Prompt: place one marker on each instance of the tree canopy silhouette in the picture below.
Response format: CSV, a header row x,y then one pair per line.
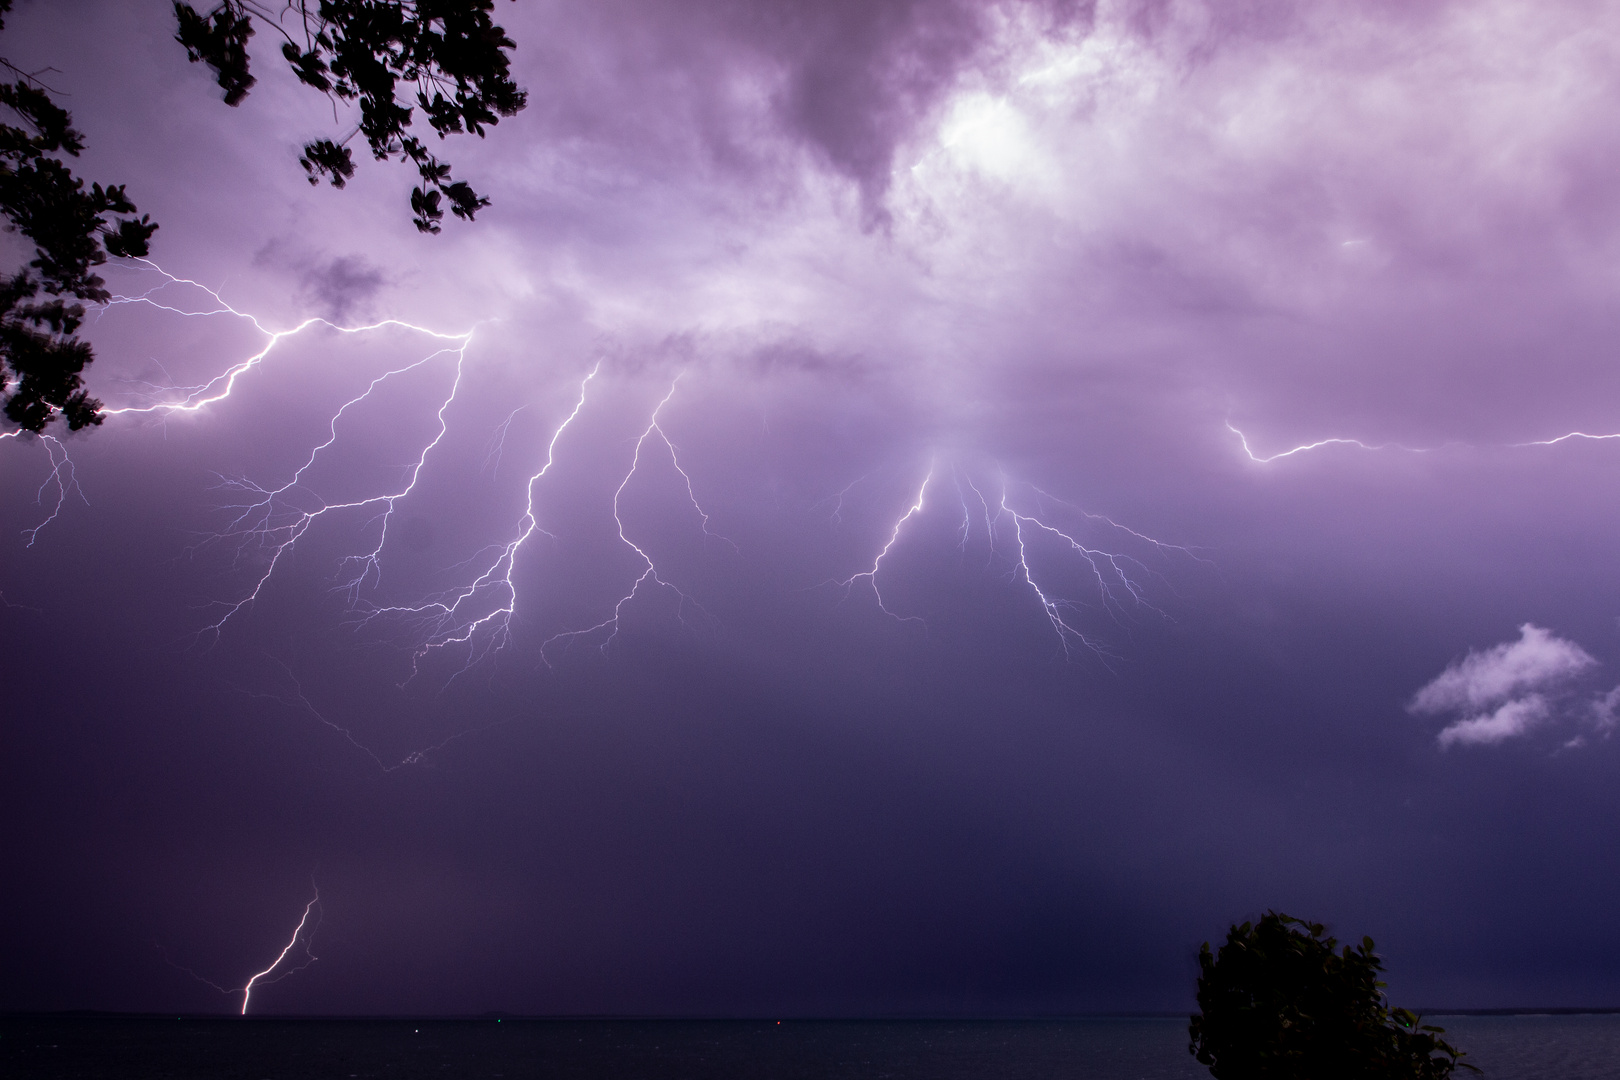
x,y
73,231
450,53
447,58
1279,1003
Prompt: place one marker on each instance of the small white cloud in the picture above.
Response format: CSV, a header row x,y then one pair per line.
x,y
1513,718
1508,689
1482,679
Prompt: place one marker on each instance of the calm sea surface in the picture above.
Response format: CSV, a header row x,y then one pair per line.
x,y
1507,1048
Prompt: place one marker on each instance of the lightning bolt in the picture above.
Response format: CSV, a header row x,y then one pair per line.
x,y
870,575
1110,572
650,571
264,521
247,991
497,443
268,523
1118,580
1317,445
217,389
1566,437
450,619
839,499
263,977
1263,460
62,481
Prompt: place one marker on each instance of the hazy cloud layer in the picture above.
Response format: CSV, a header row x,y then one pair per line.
x,y
941,301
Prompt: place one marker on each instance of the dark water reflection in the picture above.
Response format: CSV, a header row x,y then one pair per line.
x,y
90,1048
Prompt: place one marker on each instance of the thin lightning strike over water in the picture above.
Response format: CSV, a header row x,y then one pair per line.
x,y
247,991
263,977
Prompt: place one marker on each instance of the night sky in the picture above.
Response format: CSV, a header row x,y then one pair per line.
x,y
897,507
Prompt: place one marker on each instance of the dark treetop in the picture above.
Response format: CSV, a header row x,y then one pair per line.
x,y
449,53
1279,1003
73,230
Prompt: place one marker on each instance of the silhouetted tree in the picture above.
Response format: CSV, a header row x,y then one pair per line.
x,y
445,57
73,231
1279,1003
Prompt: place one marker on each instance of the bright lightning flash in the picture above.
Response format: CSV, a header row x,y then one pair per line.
x,y
298,931
60,484
650,573
270,521
870,576
1118,585
1357,443
1317,445
278,969
475,619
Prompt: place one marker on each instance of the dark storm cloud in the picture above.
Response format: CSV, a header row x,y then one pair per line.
x,y
1106,233
341,288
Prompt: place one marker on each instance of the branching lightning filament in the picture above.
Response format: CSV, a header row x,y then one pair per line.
x,y
298,933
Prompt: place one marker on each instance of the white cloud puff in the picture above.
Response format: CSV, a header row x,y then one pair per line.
x,y
1514,718
1498,692
1481,678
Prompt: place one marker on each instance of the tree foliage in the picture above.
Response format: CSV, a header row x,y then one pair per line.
x,y
1278,1002
73,230
447,58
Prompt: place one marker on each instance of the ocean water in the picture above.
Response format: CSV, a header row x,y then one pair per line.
x,y
91,1048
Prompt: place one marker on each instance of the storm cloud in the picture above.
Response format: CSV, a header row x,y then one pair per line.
x,y
894,507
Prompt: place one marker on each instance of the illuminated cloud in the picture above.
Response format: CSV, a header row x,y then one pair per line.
x,y
1500,691
1084,260
1515,717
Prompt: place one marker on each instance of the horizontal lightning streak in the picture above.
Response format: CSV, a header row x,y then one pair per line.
x,y
1554,441
1317,445
220,387
1565,438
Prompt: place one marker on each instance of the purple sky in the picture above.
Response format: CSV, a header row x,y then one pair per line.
x,y
979,294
